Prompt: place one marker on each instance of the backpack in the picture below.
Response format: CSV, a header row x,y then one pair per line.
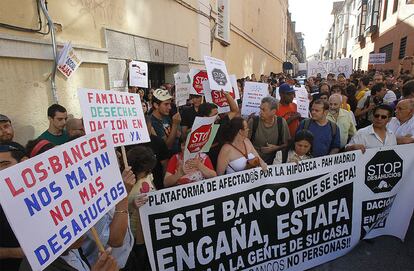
x,y
279,121
307,122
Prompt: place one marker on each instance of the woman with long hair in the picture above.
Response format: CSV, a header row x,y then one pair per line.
x,y
237,153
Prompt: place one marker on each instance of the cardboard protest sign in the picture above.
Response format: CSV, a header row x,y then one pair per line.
x,y
293,216
377,58
69,61
201,132
121,112
302,101
182,88
216,97
197,77
54,198
336,66
235,88
217,74
138,74
252,97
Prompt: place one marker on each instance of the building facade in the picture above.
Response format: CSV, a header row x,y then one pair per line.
x,y
362,27
171,35
295,47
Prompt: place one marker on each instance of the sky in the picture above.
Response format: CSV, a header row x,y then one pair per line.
x,y
313,18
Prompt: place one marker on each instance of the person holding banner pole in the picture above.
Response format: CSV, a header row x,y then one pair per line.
x,y
113,228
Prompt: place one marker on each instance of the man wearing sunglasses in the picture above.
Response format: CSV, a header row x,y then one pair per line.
x,y
376,134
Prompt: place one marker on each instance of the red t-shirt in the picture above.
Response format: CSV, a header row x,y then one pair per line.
x,y
192,176
285,111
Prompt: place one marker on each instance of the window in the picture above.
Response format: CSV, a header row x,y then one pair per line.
x,y
223,21
384,14
394,9
362,17
387,49
359,62
403,45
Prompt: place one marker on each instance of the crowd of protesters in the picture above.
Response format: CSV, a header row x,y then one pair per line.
x,y
366,110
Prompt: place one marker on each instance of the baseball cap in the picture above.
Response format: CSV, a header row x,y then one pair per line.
x,y
4,118
162,94
286,88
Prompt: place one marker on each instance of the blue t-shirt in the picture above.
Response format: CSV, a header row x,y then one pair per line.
x,y
323,140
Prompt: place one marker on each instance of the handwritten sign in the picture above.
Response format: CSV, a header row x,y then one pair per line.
x,y
182,88
252,97
302,101
377,58
121,112
54,198
69,61
336,67
235,88
138,74
217,74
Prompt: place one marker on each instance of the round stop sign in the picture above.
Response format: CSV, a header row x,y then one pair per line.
x,y
199,138
198,81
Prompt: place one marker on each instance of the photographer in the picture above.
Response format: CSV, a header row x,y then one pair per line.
x,y
365,107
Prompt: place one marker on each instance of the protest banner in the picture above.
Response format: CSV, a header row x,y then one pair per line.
x,y
138,74
201,133
377,58
121,112
302,101
197,77
51,200
182,88
252,97
290,217
69,61
336,66
235,88
216,97
218,76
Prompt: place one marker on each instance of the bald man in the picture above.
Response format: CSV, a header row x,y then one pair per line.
x,y
342,118
402,125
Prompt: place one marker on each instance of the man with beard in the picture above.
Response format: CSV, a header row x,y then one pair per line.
x,y
56,133
341,118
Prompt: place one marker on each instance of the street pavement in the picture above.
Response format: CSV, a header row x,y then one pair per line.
x,y
384,253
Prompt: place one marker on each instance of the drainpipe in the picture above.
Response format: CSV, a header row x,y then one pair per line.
x,y
52,34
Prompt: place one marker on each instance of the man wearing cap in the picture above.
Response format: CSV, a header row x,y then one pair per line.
x,y
287,109
165,127
10,252
56,133
189,113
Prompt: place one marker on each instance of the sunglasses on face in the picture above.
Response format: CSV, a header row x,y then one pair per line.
x,y
377,116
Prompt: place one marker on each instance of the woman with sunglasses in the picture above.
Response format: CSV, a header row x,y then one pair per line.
x,y
376,134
